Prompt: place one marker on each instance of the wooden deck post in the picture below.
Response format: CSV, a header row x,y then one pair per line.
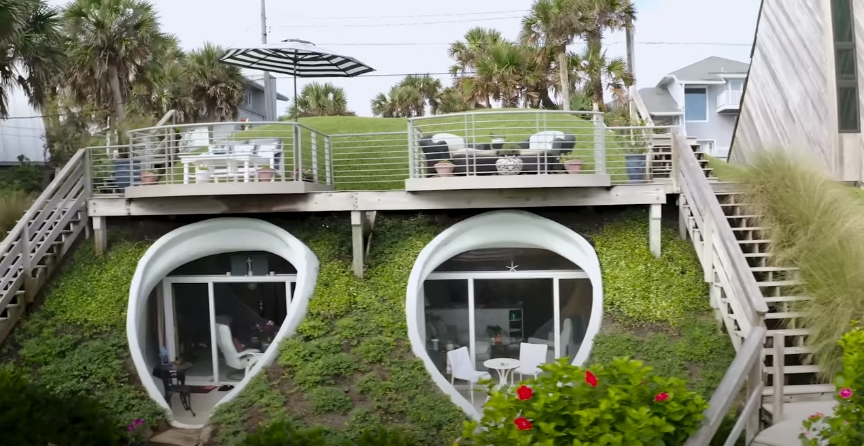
x,y
100,234
654,214
359,225
682,219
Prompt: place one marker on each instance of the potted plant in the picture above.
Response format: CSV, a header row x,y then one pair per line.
x,y
202,174
494,332
572,162
266,174
444,168
635,160
149,177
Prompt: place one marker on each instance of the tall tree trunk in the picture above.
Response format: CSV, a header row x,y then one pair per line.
x,y
116,94
595,48
565,79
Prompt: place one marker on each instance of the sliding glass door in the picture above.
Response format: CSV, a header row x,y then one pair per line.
x,y
211,322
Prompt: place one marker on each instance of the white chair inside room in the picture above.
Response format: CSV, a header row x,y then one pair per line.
x,y
530,358
236,360
460,367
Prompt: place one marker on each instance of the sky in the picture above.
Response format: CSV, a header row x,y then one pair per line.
x,y
398,37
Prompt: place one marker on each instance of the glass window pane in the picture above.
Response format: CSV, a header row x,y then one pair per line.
x,y
192,321
845,60
841,16
695,104
501,259
446,313
847,101
736,84
236,263
576,298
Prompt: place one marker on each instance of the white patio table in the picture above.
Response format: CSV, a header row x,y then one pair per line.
x,y
231,161
503,366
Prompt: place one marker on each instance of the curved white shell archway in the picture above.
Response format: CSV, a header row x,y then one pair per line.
x,y
202,239
499,229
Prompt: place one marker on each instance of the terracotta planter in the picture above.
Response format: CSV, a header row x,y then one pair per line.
x,y
573,166
498,340
149,177
445,169
266,174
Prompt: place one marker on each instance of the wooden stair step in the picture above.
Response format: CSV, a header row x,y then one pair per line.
x,y
769,269
778,283
784,315
802,350
776,299
804,389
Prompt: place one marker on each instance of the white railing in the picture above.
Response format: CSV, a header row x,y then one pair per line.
x,y
33,248
729,100
534,142
214,152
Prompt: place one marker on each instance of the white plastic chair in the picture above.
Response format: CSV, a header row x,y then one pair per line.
x,y
460,367
541,142
530,357
236,360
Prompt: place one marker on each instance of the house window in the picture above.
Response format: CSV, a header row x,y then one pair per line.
x,y
844,66
248,99
695,104
736,85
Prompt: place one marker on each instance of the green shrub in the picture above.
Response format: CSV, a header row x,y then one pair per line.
x,y
623,403
70,345
329,399
31,415
640,289
284,433
846,426
26,177
13,204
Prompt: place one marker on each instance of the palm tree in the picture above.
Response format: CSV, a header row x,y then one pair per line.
x,y
164,85
451,101
216,89
502,71
467,53
599,69
428,86
402,101
31,50
382,106
110,43
600,16
318,99
553,24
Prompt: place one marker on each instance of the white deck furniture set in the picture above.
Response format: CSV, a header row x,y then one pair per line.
x,y
234,160
460,367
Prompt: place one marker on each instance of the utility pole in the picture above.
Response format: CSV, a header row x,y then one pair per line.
x,y
631,61
268,105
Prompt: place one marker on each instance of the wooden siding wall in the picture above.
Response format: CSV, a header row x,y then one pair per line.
x,y
789,103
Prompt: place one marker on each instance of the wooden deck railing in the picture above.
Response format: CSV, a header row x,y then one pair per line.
x,y
33,248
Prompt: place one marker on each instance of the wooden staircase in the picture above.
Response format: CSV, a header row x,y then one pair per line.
x,y
32,250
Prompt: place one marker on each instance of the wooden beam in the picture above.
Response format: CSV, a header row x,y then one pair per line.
x,y
654,223
379,201
100,234
359,223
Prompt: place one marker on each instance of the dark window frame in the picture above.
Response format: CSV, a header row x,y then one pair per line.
x,y
843,83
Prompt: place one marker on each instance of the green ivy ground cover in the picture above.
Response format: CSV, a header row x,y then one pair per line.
x,y
350,366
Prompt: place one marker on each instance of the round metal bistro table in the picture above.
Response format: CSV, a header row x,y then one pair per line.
x,y
503,366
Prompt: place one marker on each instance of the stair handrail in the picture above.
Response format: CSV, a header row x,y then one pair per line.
x,y
43,198
714,222
746,368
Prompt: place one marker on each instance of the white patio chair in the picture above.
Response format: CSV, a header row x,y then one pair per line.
x,y
236,360
530,357
459,366
541,142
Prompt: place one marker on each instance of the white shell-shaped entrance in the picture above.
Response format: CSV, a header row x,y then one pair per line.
x,y
499,229
209,237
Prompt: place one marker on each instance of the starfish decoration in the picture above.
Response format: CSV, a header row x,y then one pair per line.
x,y
512,267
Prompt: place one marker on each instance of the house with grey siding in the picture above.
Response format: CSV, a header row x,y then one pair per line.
x,y
253,106
803,93
703,98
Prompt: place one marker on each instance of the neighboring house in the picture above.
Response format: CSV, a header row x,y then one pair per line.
x,y
253,106
703,98
803,92
23,133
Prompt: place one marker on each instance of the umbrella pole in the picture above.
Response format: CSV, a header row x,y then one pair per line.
x,y
295,99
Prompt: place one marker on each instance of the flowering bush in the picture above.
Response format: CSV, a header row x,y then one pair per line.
x,y
846,426
623,403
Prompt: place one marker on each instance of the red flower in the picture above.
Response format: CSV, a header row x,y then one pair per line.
x,y
524,393
662,396
590,379
522,424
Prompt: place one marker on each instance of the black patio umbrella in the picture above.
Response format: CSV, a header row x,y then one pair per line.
x,y
297,58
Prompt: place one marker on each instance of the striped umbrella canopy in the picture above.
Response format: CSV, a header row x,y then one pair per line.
x,y
298,58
